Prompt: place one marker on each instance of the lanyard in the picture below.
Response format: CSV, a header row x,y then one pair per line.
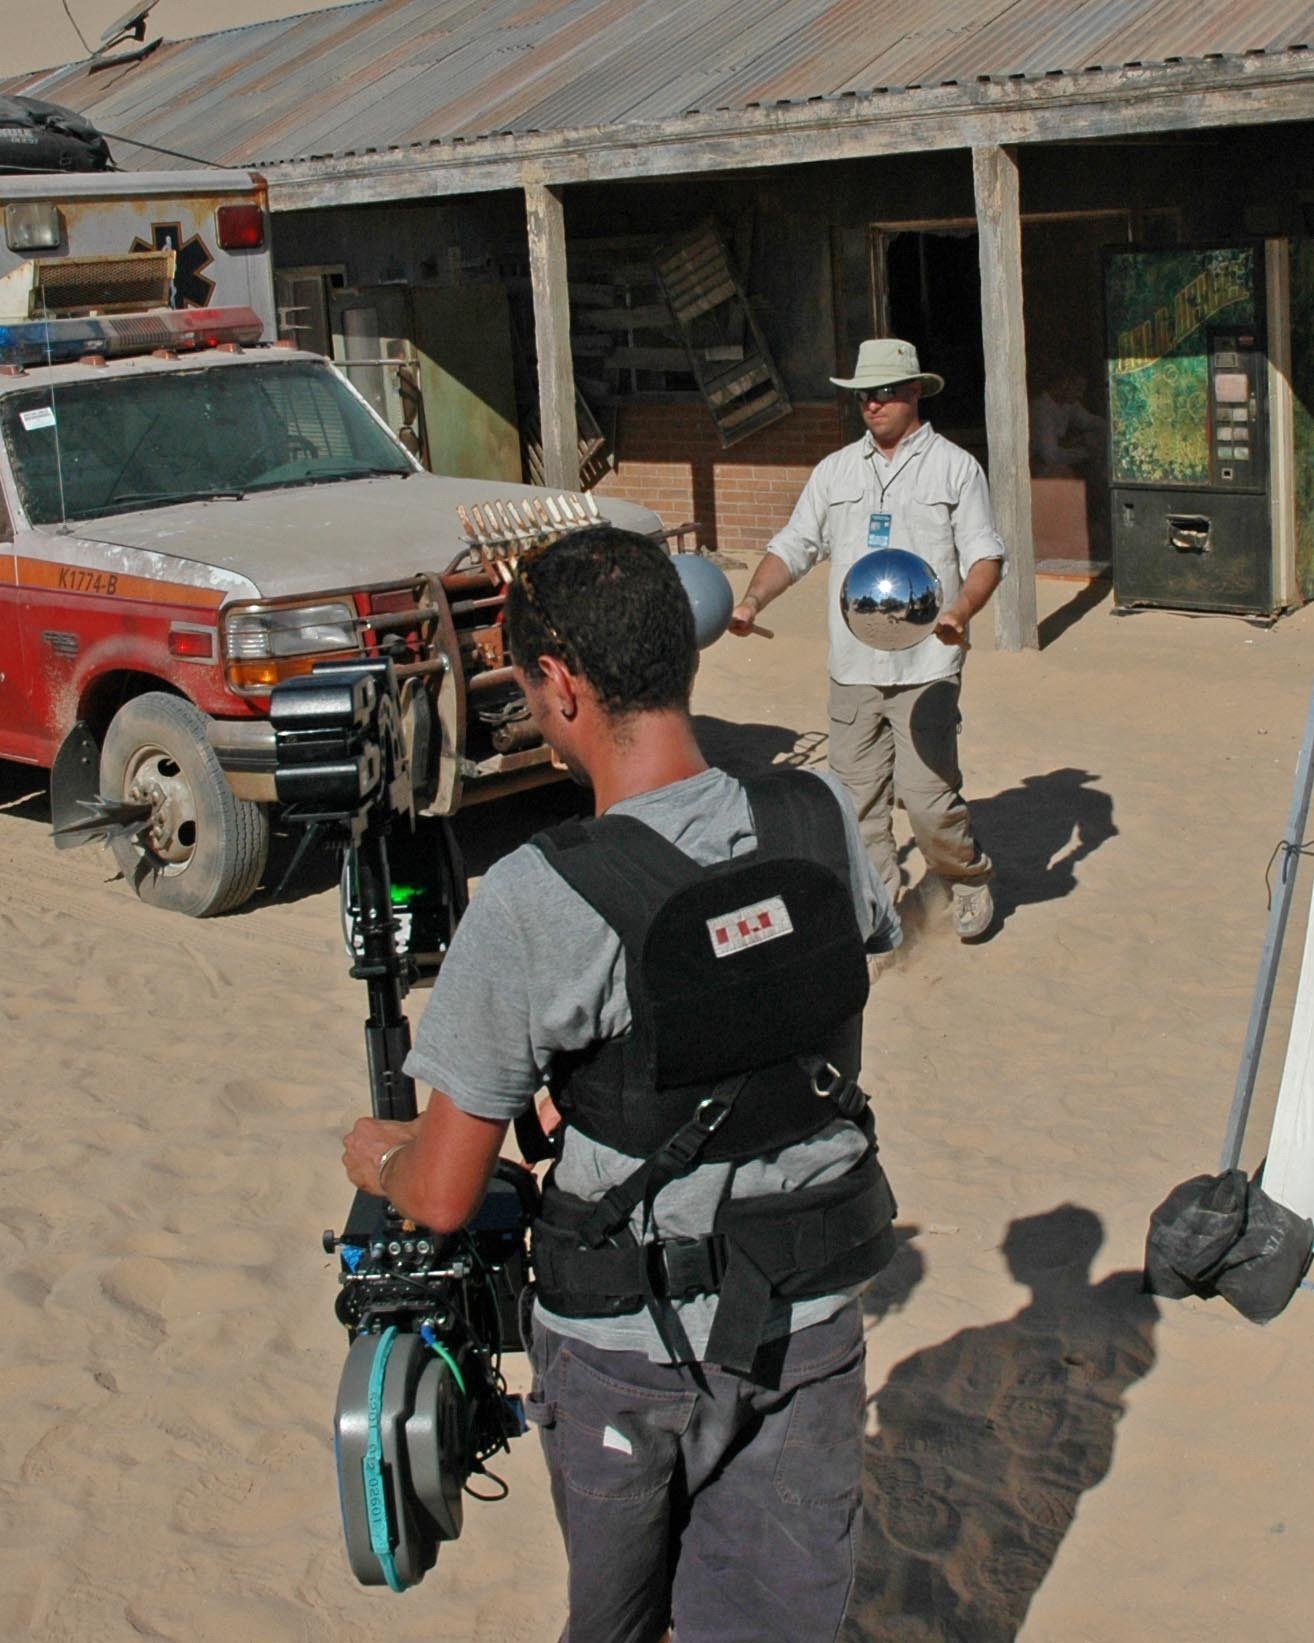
x,y
885,485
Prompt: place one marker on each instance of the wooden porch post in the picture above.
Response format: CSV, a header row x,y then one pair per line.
x,y
999,228
556,370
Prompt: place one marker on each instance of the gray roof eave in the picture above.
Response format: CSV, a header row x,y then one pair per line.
x,y
1126,101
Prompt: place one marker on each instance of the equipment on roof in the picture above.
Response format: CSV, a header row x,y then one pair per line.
x,y
36,136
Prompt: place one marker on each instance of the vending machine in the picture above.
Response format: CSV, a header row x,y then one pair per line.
x,y
1211,436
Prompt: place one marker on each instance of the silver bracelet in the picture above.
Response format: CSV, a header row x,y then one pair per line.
x,y
387,1157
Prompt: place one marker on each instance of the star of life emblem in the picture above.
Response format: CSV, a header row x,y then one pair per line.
x,y
749,927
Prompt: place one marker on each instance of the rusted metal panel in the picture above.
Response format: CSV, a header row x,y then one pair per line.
x,y
397,73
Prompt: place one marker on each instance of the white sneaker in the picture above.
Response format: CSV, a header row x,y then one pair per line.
x,y
878,964
974,909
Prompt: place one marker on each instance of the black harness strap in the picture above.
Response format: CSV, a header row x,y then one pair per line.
x,y
790,1246
678,1156
719,1009
624,862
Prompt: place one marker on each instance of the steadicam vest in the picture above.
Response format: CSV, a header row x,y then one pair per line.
x,y
746,981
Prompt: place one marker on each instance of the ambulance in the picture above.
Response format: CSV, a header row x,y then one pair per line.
x,y
192,511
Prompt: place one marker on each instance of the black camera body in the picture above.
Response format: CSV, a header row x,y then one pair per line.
x,y
421,1401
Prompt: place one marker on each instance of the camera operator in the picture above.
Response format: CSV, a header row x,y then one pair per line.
x,y
700,1397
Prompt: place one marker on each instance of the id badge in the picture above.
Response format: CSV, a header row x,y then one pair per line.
x,y
878,532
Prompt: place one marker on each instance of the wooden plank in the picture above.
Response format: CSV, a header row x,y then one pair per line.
x,y
770,408
722,390
546,223
750,408
999,230
1281,422
1217,94
649,316
649,359
591,342
703,301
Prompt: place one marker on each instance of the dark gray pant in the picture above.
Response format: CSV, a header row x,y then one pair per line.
x,y
686,1494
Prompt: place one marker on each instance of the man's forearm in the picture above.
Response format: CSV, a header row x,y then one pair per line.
x,y
435,1169
771,578
980,582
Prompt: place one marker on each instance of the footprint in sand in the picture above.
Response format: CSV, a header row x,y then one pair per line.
x,y
139,1288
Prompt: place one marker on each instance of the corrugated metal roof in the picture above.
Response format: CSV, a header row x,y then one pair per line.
x,y
392,73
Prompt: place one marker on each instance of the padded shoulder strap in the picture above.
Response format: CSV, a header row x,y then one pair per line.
x,y
620,866
796,814
625,869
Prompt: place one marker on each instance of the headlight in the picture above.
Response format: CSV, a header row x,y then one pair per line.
x,y
262,647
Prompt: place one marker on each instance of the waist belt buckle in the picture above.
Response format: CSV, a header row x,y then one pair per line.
x,y
834,1078
680,1267
830,1084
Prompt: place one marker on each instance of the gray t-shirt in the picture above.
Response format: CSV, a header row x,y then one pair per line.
x,y
533,970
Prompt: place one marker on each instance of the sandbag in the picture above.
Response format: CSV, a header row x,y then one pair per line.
x,y
1223,1235
39,137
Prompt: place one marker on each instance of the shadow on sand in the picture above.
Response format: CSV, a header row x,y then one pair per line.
x,y
985,1444
1038,831
743,748
1090,597
24,792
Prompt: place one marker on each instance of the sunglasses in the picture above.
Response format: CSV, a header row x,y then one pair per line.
x,y
882,396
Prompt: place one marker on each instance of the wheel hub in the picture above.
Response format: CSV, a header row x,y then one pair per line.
x,y
170,834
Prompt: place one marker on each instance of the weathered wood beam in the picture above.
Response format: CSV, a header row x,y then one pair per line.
x,y
556,371
999,236
1062,108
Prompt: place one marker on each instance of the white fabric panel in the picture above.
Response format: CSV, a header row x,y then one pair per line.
x,y
1289,1172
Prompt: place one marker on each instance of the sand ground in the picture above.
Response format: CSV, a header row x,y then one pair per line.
x,y
1050,1454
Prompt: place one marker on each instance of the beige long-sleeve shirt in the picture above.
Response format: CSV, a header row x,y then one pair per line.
x,y
939,507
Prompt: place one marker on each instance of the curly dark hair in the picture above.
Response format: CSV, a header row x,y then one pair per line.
x,y
609,605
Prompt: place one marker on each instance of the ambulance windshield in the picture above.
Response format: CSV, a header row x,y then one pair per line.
x,y
118,442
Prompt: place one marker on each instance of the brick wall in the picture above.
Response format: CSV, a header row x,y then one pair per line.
x,y
670,459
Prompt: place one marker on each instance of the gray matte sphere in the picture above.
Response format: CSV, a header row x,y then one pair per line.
x,y
890,599
710,595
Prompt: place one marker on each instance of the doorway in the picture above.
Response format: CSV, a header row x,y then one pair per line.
x,y
926,287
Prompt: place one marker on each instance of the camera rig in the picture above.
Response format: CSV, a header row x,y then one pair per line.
x,y
422,1405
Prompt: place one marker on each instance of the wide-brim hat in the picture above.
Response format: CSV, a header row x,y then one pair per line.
x,y
883,361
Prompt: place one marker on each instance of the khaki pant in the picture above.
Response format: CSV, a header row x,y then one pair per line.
x,y
901,741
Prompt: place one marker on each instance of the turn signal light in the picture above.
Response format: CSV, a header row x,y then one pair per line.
x,y
264,675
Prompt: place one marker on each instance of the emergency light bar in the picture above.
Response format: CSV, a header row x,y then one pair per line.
x,y
59,341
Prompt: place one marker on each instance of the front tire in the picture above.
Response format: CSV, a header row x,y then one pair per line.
x,y
203,850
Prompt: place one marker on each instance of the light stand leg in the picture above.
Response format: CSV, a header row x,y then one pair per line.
x,y
1288,854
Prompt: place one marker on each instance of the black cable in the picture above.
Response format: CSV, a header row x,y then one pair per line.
x,y
1286,850
156,149
76,29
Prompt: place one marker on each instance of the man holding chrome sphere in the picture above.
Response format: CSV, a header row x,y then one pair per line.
x,y
894,712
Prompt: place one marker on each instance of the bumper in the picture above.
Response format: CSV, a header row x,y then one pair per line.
x,y
245,750
247,756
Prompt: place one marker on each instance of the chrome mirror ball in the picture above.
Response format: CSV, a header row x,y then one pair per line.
x,y
890,599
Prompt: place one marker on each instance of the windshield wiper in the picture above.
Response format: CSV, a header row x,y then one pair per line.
x,y
334,477
367,473
165,499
